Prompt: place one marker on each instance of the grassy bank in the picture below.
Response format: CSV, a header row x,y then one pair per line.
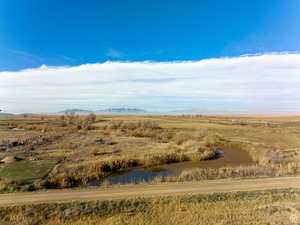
x,y
20,176
259,207
255,171
63,176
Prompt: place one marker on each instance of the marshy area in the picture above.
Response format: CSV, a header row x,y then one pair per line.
x,y
42,152
223,158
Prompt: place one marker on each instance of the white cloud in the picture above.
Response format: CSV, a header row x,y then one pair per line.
x,y
254,83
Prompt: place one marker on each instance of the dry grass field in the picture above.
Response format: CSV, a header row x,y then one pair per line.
x,y
49,152
256,208
70,151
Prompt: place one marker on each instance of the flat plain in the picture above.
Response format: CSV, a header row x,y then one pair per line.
x,y
42,153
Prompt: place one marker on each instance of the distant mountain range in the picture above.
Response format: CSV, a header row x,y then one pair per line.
x,y
134,111
77,111
120,111
110,111
21,114
6,114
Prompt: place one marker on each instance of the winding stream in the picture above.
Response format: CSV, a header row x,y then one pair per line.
x,y
231,157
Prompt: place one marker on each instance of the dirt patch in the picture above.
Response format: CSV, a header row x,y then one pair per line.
x,y
10,159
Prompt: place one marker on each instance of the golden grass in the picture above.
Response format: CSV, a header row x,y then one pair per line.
x,y
255,208
272,142
68,175
7,184
198,174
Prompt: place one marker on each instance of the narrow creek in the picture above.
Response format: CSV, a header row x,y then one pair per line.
x,y
231,157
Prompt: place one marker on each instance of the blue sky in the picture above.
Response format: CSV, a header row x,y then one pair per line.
x,y
84,35
65,32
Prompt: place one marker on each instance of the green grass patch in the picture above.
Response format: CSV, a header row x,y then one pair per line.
x,y
25,171
8,191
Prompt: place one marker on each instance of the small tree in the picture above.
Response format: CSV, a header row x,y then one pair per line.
x,y
71,118
88,121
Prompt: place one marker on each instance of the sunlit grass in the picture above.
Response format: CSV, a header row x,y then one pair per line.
x,y
26,171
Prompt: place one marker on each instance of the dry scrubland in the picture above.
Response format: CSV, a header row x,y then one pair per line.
x,y
70,151
277,207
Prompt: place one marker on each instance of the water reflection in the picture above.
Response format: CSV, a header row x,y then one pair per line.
x,y
224,158
134,176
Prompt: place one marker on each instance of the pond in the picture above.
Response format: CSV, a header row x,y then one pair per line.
x,y
134,176
230,157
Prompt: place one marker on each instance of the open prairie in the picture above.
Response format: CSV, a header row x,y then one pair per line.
x,y
169,155
68,151
110,158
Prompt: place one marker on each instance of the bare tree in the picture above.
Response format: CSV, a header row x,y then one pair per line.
x,y
88,121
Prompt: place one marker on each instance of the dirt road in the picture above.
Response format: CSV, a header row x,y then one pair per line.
x,y
143,190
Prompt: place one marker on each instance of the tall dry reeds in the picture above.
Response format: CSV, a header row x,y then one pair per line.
x,y
68,175
65,175
198,174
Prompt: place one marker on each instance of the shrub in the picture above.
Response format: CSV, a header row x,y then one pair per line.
x,y
9,184
165,158
181,137
133,125
87,121
213,140
71,119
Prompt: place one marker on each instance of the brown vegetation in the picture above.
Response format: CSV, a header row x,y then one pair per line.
x,y
132,125
80,122
72,142
256,208
7,185
66,175
198,174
